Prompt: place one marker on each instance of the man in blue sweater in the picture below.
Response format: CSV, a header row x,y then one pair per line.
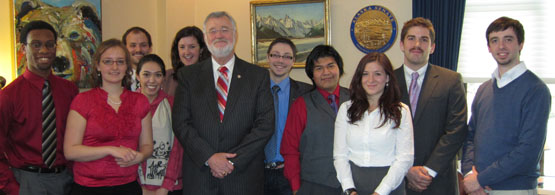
x,y
508,125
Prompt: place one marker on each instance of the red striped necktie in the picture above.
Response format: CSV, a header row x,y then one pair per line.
x,y
222,89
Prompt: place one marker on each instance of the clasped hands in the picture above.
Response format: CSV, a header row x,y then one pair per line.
x,y
471,184
220,165
418,178
125,156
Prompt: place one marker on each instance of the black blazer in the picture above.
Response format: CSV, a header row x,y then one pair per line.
x,y
439,125
247,125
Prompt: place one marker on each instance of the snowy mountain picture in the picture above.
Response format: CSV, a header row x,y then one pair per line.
x,y
305,23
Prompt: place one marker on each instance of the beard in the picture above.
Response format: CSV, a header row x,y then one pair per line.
x,y
221,52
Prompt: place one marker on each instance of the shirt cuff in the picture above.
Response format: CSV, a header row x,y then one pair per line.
x,y
470,172
347,183
431,172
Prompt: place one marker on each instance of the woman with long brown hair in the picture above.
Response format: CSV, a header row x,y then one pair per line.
x,y
373,144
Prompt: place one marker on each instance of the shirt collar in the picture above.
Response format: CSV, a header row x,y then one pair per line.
x,y
326,93
282,85
510,75
421,71
35,79
229,64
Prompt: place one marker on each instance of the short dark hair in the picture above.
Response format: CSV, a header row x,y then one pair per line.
x,y
151,58
422,22
136,29
189,31
35,25
2,82
504,23
318,52
103,47
390,101
284,41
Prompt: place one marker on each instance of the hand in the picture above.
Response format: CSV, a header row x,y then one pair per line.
x,y
479,192
418,178
138,158
471,183
161,191
219,164
124,154
295,192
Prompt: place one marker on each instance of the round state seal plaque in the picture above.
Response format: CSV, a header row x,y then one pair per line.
x,y
373,29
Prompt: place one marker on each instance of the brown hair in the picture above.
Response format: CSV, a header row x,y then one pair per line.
x,y
105,45
390,101
422,22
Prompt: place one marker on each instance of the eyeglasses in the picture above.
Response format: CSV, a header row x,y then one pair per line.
x,y
38,45
285,57
110,62
223,30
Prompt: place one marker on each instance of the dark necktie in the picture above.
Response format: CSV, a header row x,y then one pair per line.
x,y
48,126
333,104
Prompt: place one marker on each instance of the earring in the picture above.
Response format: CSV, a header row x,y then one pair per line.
x,y
387,84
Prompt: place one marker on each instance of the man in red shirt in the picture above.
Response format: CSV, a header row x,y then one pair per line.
x,y
33,114
307,143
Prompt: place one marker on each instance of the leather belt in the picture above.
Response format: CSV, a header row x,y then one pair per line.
x,y
274,165
36,169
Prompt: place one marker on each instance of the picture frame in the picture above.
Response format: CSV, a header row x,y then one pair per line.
x,y
305,22
78,24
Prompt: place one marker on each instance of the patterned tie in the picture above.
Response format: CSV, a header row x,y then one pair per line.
x,y
48,126
414,92
333,104
221,88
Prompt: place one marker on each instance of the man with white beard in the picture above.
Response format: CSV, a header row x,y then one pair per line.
x,y
223,115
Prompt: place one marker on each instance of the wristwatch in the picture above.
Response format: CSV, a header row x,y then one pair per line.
x,y
349,191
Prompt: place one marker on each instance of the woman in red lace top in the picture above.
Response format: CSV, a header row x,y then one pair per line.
x,y
109,130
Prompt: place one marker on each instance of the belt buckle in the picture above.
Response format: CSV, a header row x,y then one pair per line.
x,y
273,165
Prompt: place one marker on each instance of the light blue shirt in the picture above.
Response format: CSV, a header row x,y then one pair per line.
x,y
272,148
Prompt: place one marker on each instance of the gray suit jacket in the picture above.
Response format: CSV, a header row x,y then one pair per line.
x,y
247,125
439,125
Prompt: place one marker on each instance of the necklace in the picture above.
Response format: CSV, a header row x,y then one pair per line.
x,y
112,102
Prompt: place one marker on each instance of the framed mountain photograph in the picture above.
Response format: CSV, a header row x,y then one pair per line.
x,y
305,22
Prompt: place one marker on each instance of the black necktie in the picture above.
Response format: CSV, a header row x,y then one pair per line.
x,y
48,126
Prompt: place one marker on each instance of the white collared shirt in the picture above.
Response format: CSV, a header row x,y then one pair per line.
x,y
421,75
229,64
368,145
510,75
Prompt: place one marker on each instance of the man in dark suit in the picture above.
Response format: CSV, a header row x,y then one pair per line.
x,y
223,116
281,56
437,100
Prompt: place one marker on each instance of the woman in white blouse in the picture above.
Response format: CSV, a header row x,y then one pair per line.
x,y
373,144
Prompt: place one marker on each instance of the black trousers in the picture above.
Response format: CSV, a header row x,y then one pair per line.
x,y
132,188
275,183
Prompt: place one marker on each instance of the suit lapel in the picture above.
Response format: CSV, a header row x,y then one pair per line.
x,y
237,85
293,91
209,88
428,85
400,74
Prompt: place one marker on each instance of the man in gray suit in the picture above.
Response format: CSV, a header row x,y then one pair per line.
x,y
223,116
437,100
281,57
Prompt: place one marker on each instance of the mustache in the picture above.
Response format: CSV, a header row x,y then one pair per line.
x,y
417,48
220,39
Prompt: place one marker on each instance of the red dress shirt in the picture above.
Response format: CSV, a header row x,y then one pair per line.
x,y
21,123
106,127
294,127
173,170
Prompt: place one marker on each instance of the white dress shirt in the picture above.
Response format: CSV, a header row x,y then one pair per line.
x,y
229,64
510,75
366,145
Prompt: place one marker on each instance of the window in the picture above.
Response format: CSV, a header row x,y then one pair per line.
x,y
476,64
